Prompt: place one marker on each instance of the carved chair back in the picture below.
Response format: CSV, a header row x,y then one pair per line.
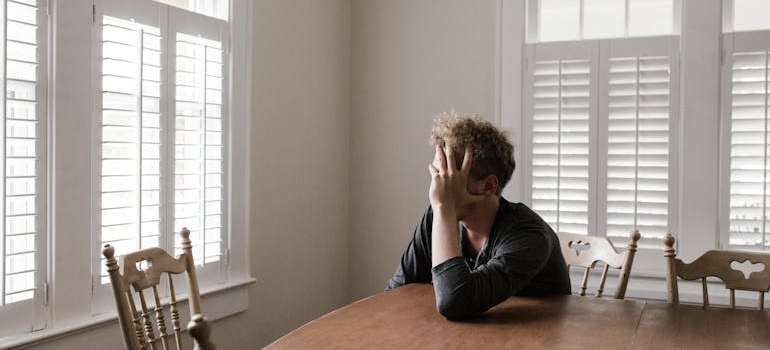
x,y
589,252
144,320
726,265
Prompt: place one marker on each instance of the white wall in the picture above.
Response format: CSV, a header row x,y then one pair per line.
x,y
412,59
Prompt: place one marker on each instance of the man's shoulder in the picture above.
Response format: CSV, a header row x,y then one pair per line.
x,y
517,220
516,212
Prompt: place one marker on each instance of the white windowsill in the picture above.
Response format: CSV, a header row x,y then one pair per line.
x,y
219,301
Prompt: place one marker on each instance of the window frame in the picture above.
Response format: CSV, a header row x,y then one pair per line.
x,y
70,237
169,20
700,155
511,111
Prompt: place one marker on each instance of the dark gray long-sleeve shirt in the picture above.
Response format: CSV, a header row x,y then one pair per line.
x,y
521,257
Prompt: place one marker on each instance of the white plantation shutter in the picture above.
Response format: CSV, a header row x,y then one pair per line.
x,y
23,135
199,144
747,68
162,131
600,115
560,143
130,136
638,117
561,105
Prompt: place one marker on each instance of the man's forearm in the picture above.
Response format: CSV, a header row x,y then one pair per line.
x,y
444,236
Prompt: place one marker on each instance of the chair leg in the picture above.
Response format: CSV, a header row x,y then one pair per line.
x,y
732,298
585,282
600,290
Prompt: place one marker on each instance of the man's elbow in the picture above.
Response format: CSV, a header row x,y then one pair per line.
x,y
453,307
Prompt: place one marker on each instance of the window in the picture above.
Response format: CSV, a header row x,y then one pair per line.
x,y
713,194
24,163
161,118
600,115
568,20
214,8
745,15
601,119
745,103
135,143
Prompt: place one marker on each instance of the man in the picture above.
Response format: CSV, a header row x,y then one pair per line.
x,y
477,248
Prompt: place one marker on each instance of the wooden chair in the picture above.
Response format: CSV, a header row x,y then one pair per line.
x,y
586,251
137,322
718,263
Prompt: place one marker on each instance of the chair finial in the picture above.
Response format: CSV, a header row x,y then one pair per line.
x,y
108,251
635,235
669,240
185,233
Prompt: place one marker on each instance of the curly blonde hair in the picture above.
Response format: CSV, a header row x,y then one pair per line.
x,y
492,152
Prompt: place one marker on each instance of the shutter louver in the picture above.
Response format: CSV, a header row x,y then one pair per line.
x,y
22,116
130,136
749,150
637,146
560,143
199,144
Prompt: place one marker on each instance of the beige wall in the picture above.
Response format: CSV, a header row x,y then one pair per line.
x,y
300,160
344,92
411,60
340,142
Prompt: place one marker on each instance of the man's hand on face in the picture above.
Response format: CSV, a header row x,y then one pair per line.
x,y
449,183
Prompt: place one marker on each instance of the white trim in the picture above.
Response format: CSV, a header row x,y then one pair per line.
x,y
724,138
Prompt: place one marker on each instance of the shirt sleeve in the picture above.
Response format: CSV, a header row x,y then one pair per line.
x,y
415,264
461,293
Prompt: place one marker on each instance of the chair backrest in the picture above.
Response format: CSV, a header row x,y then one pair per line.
x,y
719,264
586,251
142,273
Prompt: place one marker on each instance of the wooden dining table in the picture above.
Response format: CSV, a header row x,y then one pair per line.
x,y
406,318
